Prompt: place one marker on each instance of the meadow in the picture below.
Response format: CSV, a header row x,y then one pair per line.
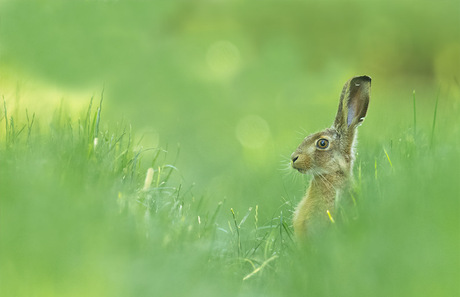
x,y
145,152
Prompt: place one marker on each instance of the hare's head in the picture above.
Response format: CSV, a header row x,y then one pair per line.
x,y
331,150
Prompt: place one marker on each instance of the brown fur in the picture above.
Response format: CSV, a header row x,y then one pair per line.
x,y
331,167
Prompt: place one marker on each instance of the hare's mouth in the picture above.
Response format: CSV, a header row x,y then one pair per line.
x,y
303,171
299,169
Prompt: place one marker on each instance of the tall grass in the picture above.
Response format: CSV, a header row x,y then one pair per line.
x,y
84,210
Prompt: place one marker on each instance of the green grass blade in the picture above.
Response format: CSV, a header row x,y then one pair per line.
x,y
98,117
434,118
239,248
415,116
245,217
88,116
388,157
5,111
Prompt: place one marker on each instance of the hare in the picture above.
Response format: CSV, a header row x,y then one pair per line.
x,y
328,155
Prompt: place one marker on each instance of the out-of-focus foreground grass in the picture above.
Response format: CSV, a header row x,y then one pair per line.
x,y
236,85
79,215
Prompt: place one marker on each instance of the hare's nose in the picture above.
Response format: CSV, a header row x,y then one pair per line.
x,y
294,157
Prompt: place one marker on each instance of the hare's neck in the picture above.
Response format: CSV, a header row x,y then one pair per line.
x,y
320,198
324,188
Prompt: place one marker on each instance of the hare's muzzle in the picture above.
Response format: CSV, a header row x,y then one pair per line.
x,y
298,161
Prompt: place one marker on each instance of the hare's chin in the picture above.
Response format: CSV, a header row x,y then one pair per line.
x,y
303,171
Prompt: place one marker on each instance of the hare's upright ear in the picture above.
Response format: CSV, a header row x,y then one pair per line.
x,y
353,105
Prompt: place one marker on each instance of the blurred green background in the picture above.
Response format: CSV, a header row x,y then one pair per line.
x,y
237,84
234,86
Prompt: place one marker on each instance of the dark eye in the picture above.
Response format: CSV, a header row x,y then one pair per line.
x,y
322,143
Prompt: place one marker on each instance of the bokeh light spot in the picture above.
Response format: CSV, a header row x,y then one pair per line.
x,y
252,131
223,58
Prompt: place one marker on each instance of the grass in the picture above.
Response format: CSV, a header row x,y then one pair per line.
x,y
434,119
85,210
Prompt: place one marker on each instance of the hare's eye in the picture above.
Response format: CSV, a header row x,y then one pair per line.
x,y
322,143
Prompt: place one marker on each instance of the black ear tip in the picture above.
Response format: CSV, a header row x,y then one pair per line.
x,y
364,78
358,80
